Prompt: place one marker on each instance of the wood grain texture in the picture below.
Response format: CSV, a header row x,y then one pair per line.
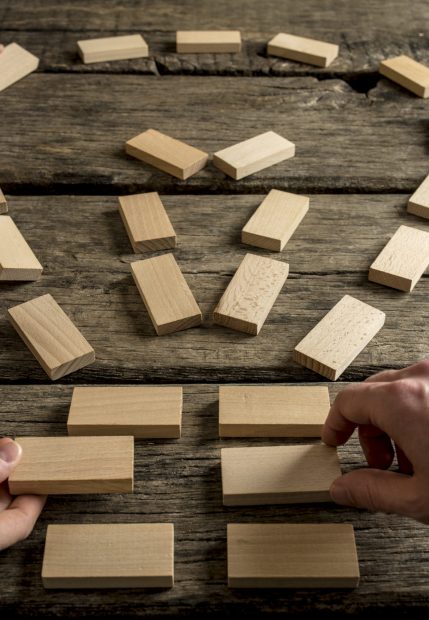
x,y
15,64
146,222
208,41
3,203
408,73
17,260
113,48
302,49
418,204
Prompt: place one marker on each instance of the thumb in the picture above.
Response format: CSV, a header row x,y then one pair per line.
x,y
10,454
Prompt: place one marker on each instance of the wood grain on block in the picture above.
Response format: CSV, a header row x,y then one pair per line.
x,y
208,41
3,203
331,346
15,64
292,555
166,294
275,220
113,48
244,158
17,260
403,260
141,411
407,73
68,465
167,154
146,222
311,51
418,204
250,295
109,555
278,474
53,339
272,410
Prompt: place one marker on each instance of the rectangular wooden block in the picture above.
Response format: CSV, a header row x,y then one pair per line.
x,y
17,261
167,154
292,555
418,204
113,48
311,51
272,410
141,411
15,64
146,222
208,41
166,294
109,555
403,260
244,158
339,337
251,294
68,465
407,73
278,474
275,220
53,339
3,203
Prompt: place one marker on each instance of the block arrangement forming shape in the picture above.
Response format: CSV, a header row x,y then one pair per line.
x,y
272,411
53,339
169,155
208,41
289,555
113,48
244,158
278,474
311,51
109,555
403,260
166,294
15,64
17,261
67,465
339,337
407,73
275,220
146,222
418,204
250,295
3,203
141,411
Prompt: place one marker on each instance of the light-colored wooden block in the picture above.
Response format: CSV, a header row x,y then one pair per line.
x,y
311,51
166,294
292,555
3,203
15,64
17,261
208,41
339,337
68,465
250,295
275,220
272,410
53,339
146,222
244,158
113,48
278,474
109,555
167,154
408,73
141,411
418,204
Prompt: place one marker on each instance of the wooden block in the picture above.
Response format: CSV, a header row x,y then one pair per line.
x,y
311,51
278,474
109,555
166,294
272,410
407,73
250,295
292,555
141,411
275,220
169,155
339,337
3,203
403,260
17,261
113,48
67,465
208,41
53,339
147,223
418,204
15,64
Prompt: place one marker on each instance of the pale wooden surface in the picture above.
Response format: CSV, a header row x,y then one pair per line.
x,y
113,48
208,41
146,222
302,49
418,204
15,64
408,73
17,260
3,203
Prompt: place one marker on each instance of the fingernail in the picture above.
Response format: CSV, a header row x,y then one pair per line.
x,y
9,452
339,493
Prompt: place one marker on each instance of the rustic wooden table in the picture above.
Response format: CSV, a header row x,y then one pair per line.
x,y
362,148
